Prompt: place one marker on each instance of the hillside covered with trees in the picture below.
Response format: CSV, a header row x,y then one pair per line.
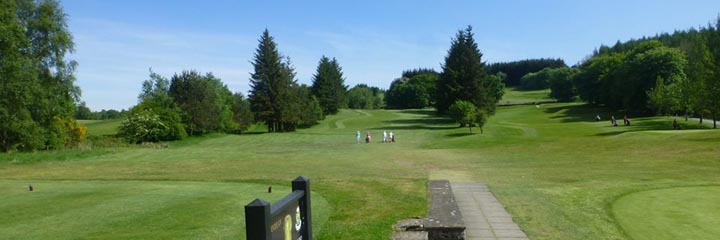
x,y
676,73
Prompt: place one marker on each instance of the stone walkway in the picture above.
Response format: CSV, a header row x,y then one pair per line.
x,y
484,217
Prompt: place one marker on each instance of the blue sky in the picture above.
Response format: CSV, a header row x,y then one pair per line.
x,y
117,42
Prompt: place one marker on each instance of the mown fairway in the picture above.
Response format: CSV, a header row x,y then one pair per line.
x,y
558,172
101,127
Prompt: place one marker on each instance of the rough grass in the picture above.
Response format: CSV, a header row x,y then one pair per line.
x,y
555,169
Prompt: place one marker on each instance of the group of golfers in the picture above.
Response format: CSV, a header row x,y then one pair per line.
x,y
368,137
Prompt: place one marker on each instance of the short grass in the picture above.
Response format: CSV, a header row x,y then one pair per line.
x,y
131,209
670,213
553,167
101,127
517,96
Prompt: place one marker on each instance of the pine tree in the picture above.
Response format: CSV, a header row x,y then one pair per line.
x,y
270,85
463,76
329,86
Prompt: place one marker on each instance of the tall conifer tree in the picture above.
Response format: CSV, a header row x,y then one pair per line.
x,y
270,85
463,76
329,86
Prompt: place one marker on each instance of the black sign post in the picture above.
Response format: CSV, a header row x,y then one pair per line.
x,y
287,219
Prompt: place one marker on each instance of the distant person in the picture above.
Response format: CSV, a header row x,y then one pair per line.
x,y
368,137
626,121
392,137
597,118
613,121
385,136
357,136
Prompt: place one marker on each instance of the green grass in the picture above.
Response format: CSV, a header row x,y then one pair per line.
x,y
131,209
554,168
670,213
101,127
516,96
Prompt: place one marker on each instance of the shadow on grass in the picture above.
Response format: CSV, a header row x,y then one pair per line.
x,y
427,112
708,139
639,121
428,120
414,127
650,123
587,113
460,134
252,133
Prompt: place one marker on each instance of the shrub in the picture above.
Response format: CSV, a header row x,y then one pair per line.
x,y
147,126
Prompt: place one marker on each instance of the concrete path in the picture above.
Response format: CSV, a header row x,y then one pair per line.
x,y
705,120
485,218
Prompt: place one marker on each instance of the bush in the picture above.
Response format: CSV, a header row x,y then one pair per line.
x,y
147,126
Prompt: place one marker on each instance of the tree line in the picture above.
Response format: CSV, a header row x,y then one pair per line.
x,y
515,70
191,103
82,112
676,73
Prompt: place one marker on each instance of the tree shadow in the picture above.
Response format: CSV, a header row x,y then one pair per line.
x,y
460,134
428,120
414,127
587,113
648,124
577,113
251,133
427,112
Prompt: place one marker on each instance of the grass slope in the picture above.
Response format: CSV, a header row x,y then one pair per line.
x,y
555,169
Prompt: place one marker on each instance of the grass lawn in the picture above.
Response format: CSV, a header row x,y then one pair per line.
x,y
671,213
555,169
130,209
515,96
101,127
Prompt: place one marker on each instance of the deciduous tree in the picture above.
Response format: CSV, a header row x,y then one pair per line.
x,y
38,94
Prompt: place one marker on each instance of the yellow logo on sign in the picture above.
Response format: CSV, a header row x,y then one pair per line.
x,y
288,227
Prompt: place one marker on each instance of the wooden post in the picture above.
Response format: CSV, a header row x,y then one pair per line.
x,y
303,184
257,220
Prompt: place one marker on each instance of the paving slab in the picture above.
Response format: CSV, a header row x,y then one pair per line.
x,y
484,216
